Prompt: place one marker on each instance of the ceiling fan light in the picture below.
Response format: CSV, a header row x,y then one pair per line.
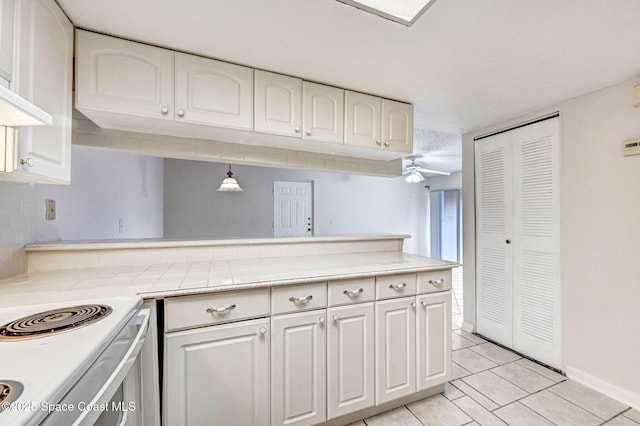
x,y
414,177
229,184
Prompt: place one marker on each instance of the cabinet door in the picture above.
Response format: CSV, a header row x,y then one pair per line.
x,y
6,39
213,92
218,375
362,120
123,77
397,126
433,339
350,363
44,77
395,349
323,112
298,368
277,104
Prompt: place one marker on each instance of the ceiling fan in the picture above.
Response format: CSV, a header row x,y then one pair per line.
x,y
414,171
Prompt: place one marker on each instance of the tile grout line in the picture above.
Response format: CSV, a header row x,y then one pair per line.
x,y
413,414
584,409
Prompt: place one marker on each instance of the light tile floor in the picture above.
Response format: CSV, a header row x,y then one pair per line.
x,y
494,386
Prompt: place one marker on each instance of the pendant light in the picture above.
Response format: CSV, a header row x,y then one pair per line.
x,y
229,184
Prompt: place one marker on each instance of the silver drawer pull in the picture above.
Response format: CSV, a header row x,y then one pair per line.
x,y
262,330
413,305
221,309
335,317
353,292
437,282
302,299
424,303
397,287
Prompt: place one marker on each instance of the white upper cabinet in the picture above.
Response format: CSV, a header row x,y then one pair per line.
x,y
362,119
397,126
277,104
323,112
213,92
374,122
43,76
123,77
6,39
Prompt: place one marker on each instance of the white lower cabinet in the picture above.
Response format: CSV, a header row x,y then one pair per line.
x,y
218,375
433,339
298,368
395,348
350,362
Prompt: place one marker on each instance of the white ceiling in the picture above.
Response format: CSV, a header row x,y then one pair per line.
x,y
464,64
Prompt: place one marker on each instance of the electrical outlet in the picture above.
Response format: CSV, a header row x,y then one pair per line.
x,y
121,226
50,209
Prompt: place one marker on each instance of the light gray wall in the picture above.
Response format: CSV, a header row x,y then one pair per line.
x,y
600,199
105,186
343,204
453,181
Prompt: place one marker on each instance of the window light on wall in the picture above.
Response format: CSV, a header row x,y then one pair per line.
x,y
405,12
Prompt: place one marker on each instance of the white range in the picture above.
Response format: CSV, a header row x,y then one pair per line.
x,y
78,375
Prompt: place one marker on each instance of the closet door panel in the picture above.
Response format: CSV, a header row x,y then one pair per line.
x,y
536,242
493,228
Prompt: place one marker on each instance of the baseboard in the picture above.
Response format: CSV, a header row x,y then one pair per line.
x,y
468,327
612,391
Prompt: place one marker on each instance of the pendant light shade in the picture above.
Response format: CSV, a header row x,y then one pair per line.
x,y
229,184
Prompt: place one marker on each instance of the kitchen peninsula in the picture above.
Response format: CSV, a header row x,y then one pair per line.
x,y
268,331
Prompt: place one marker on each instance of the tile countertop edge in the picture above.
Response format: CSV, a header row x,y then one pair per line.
x,y
148,295
141,244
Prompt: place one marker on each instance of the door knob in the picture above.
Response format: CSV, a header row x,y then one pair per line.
x,y
508,241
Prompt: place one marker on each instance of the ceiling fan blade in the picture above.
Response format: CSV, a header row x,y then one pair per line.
x,y
435,172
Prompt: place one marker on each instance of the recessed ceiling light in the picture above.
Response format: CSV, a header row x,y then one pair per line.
x,y
405,12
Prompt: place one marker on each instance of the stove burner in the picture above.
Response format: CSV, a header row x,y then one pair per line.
x,y
53,321
10,390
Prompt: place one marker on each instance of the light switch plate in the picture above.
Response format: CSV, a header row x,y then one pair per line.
x,y
50,209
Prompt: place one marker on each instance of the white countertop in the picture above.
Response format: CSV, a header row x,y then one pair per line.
x,y
175,279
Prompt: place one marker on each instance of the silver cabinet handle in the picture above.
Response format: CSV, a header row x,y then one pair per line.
x,y
386,143
262,330
378,142
424,303
164,110
397,287
413,305
301,299
297,129
335,318
180,113
221,309
27,162
439,281
308,132
353,292
321,320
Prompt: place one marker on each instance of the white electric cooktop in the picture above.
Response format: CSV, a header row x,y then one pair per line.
x,y
48,366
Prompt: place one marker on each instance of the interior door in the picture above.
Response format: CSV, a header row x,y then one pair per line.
x,y
536,242
292,209
494,253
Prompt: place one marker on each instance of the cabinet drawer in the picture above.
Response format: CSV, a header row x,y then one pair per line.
x,y
432,281
351,291
301,297
207,309
395,286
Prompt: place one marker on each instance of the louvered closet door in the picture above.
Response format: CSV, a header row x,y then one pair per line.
x,y
494,256
536,242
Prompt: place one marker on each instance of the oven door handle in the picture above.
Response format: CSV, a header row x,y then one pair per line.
x,y
104,395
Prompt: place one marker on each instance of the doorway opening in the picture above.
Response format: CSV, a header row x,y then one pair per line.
x,y
446,225
292,208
